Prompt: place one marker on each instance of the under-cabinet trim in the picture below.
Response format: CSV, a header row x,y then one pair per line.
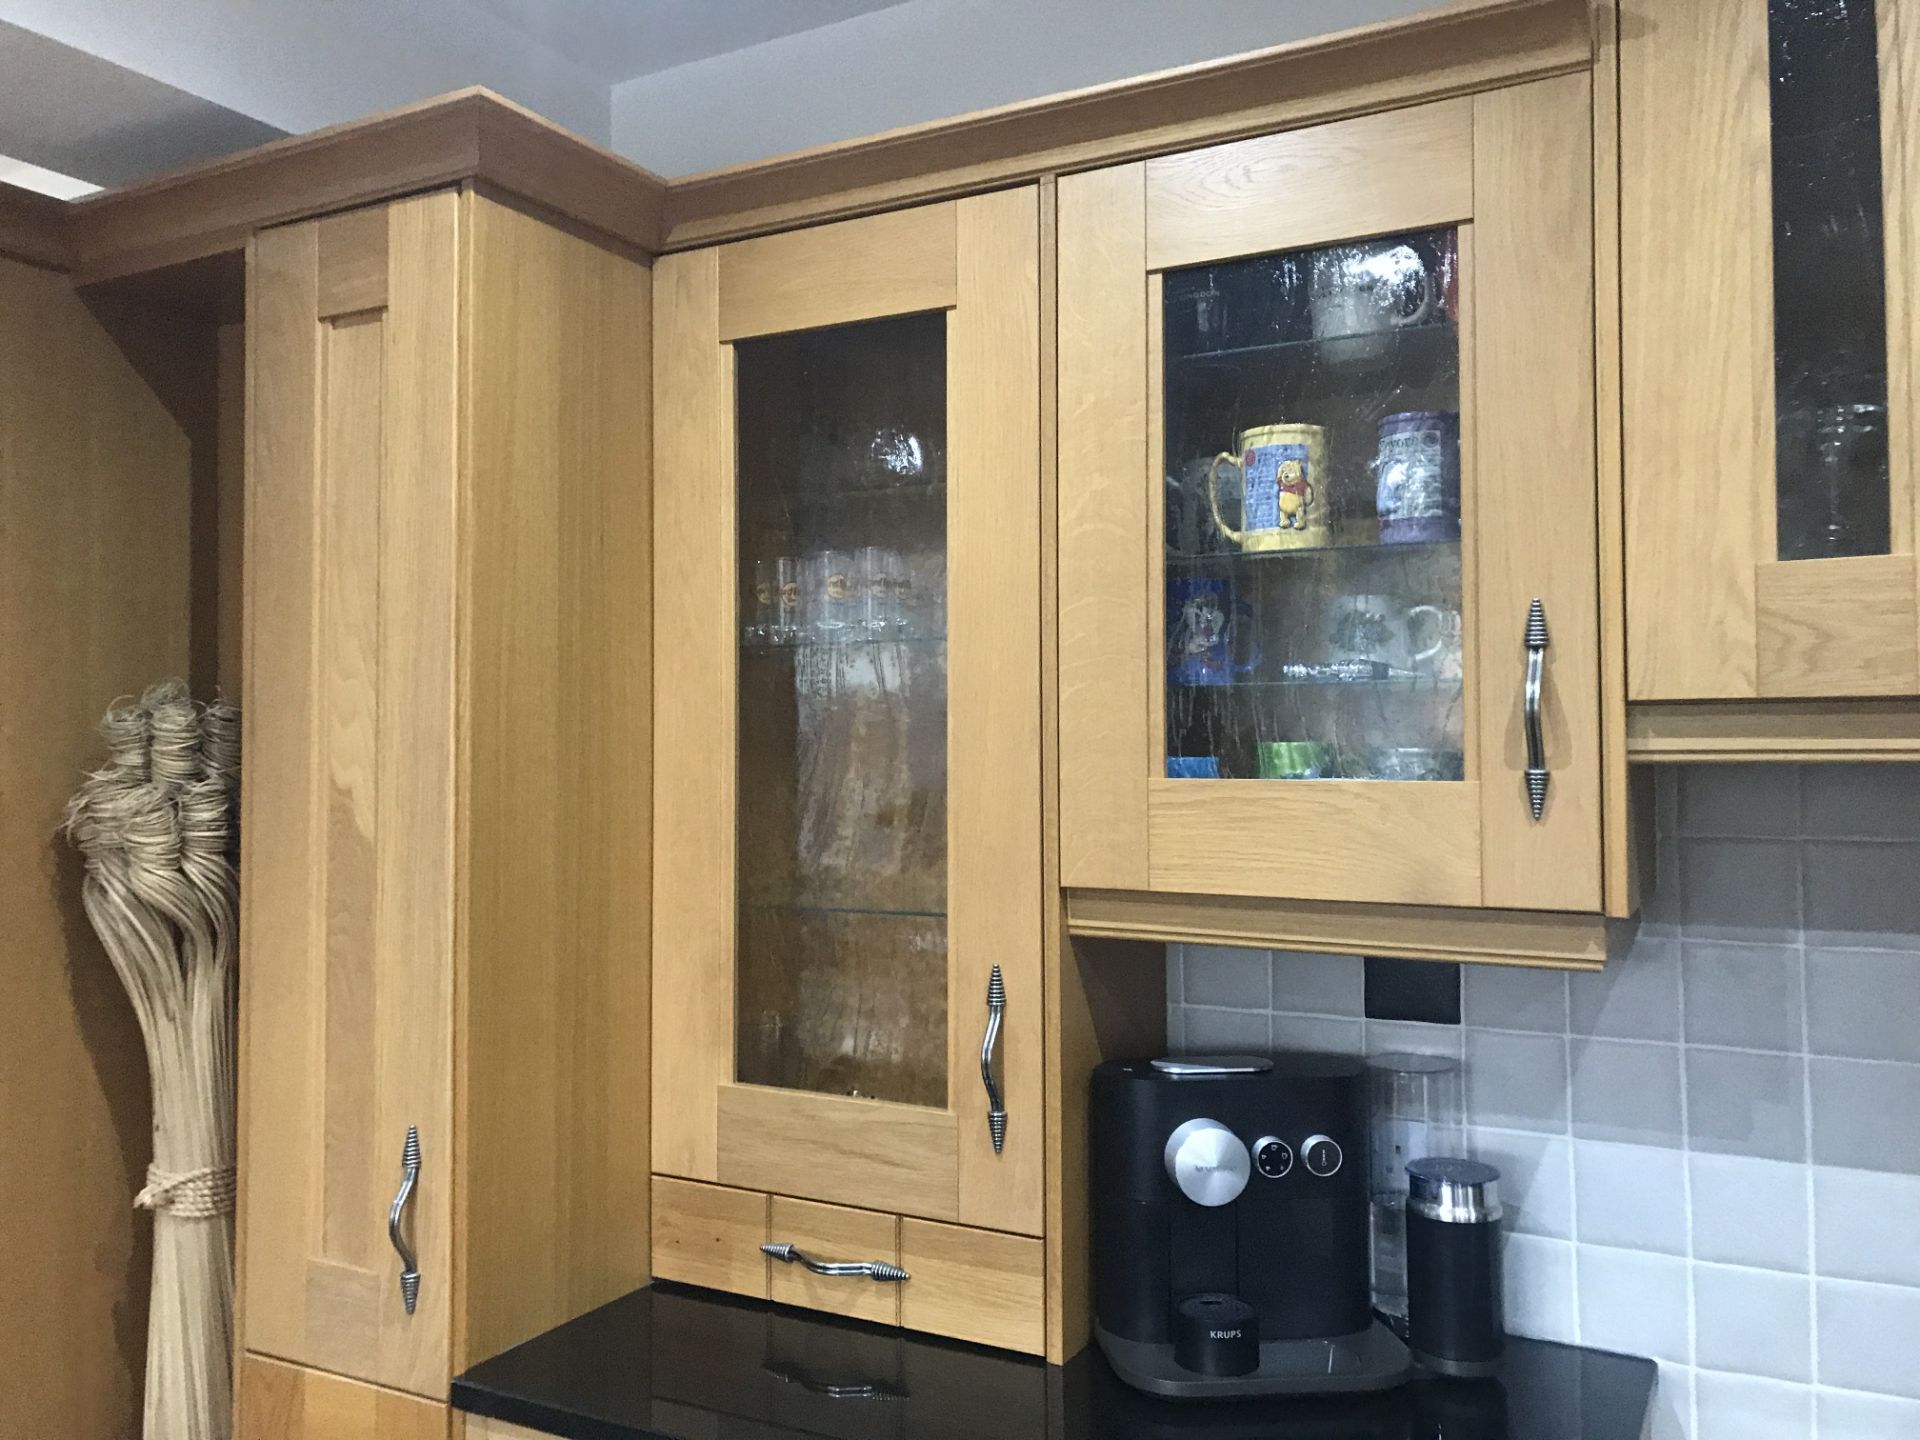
x,y
1753,731
1549,939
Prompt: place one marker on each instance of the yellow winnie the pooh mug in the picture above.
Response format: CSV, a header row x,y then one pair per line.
x,y
1283,477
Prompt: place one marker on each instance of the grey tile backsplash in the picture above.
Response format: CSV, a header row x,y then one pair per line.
x,y
1711,1153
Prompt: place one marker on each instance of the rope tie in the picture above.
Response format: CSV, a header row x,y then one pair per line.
x,y
196,1195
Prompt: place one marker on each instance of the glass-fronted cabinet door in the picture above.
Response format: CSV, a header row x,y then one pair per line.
x,y
1768,179
1334,388
847,957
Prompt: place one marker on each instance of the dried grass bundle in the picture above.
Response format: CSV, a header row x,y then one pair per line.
x,y
158,827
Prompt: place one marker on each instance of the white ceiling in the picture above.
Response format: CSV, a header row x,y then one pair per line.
x,y
620,39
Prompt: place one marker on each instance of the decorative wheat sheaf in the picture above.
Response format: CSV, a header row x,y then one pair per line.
x,y
158,827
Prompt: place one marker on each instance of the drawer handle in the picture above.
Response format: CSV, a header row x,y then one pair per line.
x,y
1537,774
814,1385
996,1107
409,1175
872,1269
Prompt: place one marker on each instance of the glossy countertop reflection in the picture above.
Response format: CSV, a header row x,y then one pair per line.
x,y
673,1363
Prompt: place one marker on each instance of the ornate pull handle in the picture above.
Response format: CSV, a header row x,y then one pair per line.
x,y
872,1269
996,1107
813,1385
1537,774
409,1176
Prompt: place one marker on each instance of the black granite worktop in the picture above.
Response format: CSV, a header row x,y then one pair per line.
x,y
672,1363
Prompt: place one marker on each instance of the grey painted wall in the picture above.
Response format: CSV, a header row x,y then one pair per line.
x,y
933,58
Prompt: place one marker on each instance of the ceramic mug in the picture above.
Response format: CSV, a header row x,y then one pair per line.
x,y
1193,767
1370,289
1439,652
1296,760
1283,475
1417,477
1203,621
1382,630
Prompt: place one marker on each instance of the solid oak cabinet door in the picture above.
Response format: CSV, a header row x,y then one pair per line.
x,y
847,984
1329,626
1770,172
352,328
284,1402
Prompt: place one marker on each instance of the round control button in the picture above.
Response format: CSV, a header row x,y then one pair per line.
x,y
1208,1162
1323,1156
1272,1156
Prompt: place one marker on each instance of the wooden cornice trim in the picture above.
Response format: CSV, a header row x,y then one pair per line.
x,y
470,136
1467,46
33,228
474,137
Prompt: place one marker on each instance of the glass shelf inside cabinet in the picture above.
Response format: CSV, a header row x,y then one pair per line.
x,y
841,942
1313,558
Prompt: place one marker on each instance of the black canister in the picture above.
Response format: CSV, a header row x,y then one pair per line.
x,y
1216,1335
1455,1324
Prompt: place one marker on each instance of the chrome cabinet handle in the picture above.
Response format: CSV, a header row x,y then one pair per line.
x,y
872,1269
409,1176
1537,774
813,1385
996,1107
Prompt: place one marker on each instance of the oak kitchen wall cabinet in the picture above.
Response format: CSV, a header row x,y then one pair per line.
x,y
1768,188
848,1021
446,710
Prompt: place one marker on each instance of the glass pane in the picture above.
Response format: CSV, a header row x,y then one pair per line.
x,y
842,943
1312,422
1829,281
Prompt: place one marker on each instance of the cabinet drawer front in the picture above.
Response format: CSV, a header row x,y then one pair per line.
x,y
710,1235
976,1285
286,1402
835,1233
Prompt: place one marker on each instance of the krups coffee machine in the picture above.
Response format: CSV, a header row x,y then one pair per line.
x,y
1230,1227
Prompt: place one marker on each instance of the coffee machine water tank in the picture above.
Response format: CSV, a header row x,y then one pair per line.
x,y
1228,1176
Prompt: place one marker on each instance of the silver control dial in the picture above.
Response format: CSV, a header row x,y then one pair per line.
x,y
1322,1155
1272,1156
1208,1162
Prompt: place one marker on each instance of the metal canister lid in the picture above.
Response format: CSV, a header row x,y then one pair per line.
x,y
1458,1192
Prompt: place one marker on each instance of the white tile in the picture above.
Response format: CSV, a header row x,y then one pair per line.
x,y
1742,1407
1853,1101
1626,1091
1746,800
1538,1295
1749,1211
1741,1103
1331,1033
1536,1179
1670,1413
1862,1003
1635,998
1877,802
1744,995
1319,984
1632,1196
1862,893
1517,1082
1510,997
1739,889
1849,1415
1633,1302
1225,1032
1867,1337
1866,1225
1755,1322
1227,975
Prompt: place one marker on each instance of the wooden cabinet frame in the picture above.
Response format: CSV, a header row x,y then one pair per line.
x,y
1510,168
978,259
1712,614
